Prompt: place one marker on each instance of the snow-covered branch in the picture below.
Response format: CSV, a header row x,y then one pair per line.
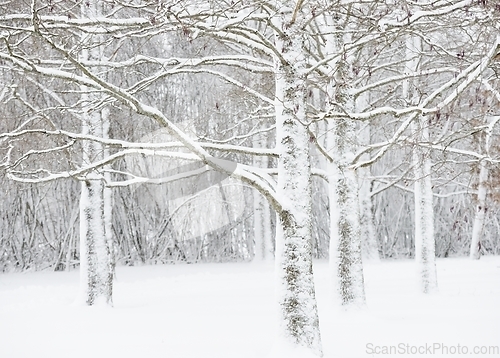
x,y
117,143
439,9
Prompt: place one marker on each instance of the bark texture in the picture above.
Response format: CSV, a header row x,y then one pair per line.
x,y
424,222
96,263
477,229
345,230
298,308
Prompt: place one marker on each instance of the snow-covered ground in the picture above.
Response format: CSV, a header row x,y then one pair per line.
x,y
227,310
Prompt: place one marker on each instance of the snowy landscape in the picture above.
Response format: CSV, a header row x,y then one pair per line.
x,y
228,311
249,178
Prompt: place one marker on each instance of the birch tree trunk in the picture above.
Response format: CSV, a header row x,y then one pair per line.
x,y
477,228
345,234
424,208
424,220
262,213
482,192
345,231
369,245
96,264
296,293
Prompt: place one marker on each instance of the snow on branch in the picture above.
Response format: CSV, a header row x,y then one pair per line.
x,y
357,91
147,81
78,22
248,63
79,174
440,8
460,82
156,181
117,143
472,73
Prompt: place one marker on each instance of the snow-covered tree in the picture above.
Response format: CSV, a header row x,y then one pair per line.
x,y
96,242
293,237
345,231
422,167
299,320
